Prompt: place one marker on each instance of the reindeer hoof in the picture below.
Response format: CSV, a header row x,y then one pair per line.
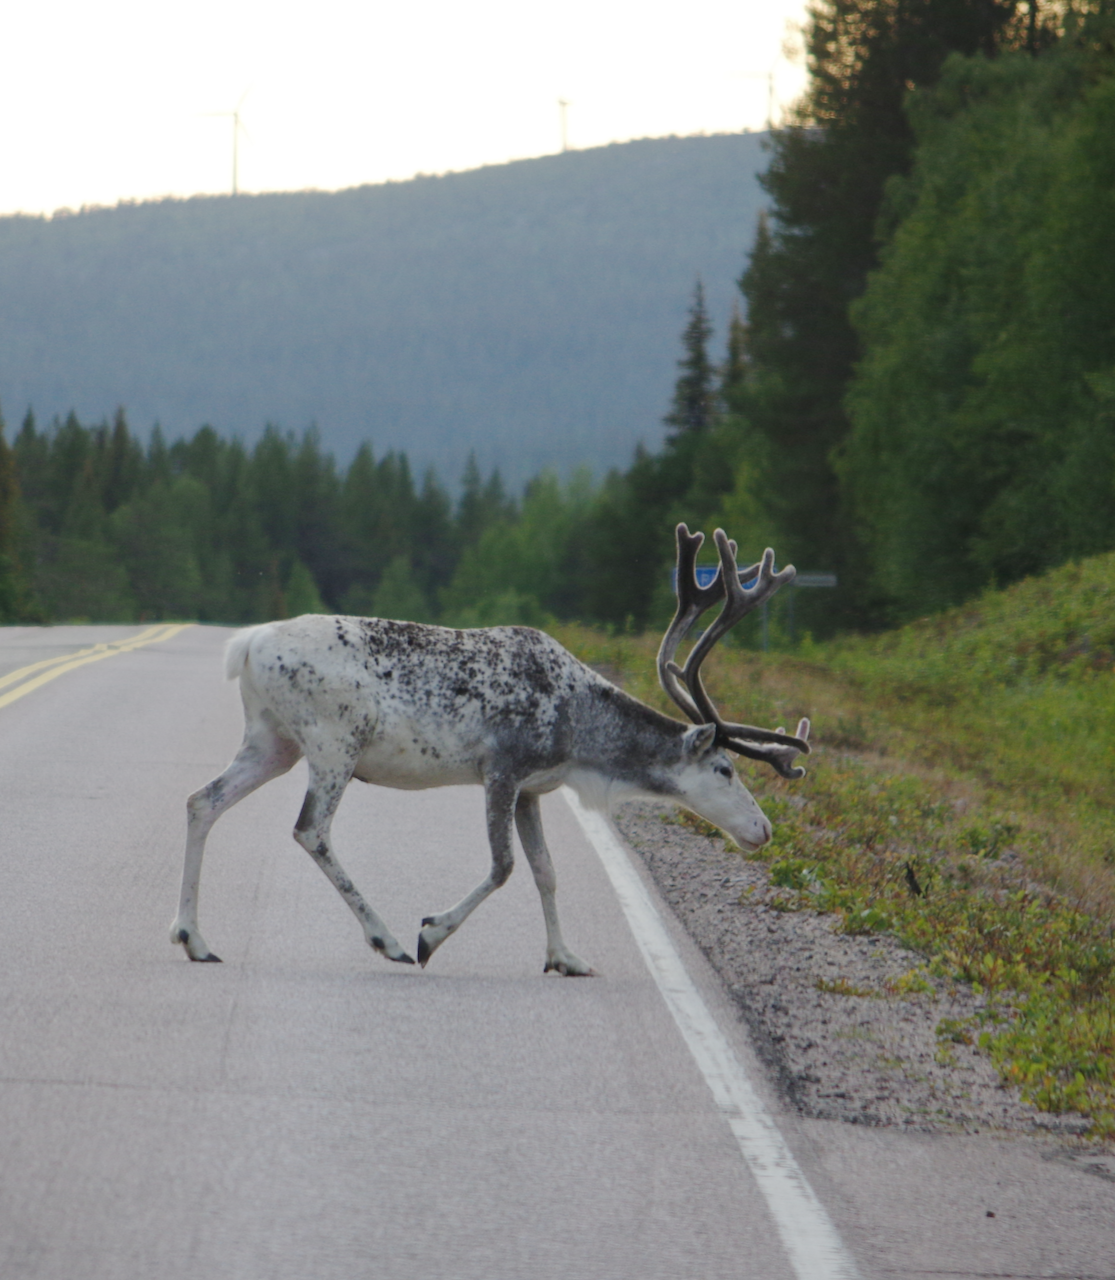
x,y
391,951
192,944
432,934
570,967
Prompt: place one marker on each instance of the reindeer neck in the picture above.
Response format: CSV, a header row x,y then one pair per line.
x,y
624,739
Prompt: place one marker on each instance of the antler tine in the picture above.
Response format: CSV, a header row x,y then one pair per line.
x,y
693,600
778,758
778,749
752,733
740,601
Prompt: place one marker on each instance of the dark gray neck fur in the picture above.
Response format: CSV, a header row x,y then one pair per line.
x,y
619,737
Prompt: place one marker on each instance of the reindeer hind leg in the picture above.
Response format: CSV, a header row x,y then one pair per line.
x,y
263,755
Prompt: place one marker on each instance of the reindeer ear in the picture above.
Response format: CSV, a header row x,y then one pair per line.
x,y
699,741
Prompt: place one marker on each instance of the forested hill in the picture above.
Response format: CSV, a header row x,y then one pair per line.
x,y
529,311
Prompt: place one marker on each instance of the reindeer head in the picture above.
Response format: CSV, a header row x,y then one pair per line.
x,y
711,786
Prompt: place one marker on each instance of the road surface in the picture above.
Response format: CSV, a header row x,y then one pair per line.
x,y
309,1110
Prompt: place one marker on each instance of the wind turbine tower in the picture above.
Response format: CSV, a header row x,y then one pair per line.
x,y
769,78
234,116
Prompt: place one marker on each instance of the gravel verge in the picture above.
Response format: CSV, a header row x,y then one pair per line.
x,y
835,1051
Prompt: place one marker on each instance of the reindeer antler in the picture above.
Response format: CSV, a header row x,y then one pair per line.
x,y
776,747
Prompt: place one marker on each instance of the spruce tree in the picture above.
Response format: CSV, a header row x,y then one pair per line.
x,y
123,465
482,503
694,403
14,590
434,550
317,530
628,537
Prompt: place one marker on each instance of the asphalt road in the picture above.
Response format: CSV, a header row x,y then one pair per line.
x,y
309,1110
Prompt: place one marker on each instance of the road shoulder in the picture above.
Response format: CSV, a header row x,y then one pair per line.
x,y
929,1164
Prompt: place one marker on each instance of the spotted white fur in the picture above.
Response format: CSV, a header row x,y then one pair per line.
x,y
412,706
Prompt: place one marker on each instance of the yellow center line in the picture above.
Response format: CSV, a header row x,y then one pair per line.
x,y
56,667
14,677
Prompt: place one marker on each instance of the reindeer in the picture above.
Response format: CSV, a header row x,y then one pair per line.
x,y
412,706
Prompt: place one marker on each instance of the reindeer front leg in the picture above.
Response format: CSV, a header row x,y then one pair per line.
x,y
528,819
500,795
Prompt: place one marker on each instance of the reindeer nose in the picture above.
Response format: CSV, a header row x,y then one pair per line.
x,y
768,830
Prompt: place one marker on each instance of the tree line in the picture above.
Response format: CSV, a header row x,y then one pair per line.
x,y
921,398
918,392
97,525
930,349
982,441
100,526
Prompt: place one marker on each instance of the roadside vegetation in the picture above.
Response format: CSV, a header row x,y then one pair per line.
x,y
960,797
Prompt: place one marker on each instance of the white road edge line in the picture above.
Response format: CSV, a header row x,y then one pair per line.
x,y
808,1235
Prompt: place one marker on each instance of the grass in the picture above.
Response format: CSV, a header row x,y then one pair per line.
x,y
961,797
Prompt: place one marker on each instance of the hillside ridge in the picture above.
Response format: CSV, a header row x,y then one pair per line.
x,y
529,312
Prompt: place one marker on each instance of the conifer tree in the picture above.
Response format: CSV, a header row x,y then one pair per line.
x,y
158,456
377,520
628,537
733,372
317,533
123,465
691,414
482,503
31,452
15,603
435,551
730,440
272,476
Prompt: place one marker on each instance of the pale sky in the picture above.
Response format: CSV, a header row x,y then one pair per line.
x,y
109,100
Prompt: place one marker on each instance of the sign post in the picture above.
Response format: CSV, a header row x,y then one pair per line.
x,y
802,580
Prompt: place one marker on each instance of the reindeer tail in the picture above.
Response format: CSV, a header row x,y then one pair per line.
x,y
236,651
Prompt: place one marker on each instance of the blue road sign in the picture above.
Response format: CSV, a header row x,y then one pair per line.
x,y
705,573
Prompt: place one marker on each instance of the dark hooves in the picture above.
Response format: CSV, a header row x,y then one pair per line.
x,y
427,920
403,959
424,951
207,959
566,973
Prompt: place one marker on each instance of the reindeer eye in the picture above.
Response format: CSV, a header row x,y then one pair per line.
x,y
725,770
